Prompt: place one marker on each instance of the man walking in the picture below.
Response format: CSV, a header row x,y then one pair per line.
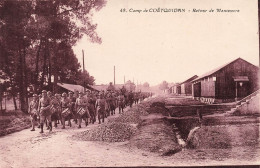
x,y
82,110
100,106
33,107
44,108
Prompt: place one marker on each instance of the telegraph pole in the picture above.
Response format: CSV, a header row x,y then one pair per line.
x,y
114,75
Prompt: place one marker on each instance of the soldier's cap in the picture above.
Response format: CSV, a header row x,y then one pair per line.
x,y
49,92
35,95
64,94
56,94
44,91
80,93
70,92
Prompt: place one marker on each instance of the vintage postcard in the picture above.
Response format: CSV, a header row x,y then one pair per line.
x,y
129,83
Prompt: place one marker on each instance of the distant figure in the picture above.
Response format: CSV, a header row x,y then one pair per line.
x,y
131,98
110,87
121,102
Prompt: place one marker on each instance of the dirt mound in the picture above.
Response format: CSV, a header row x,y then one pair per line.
x,y
13,122
109,132
157,109
155,105
210,137
149,102
155,135
158,104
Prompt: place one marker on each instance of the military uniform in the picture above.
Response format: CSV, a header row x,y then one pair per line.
x,y
121,103
100,106
33,107
112,104
81,104
56,110
72,108
45,112
65,110
131,98
91,108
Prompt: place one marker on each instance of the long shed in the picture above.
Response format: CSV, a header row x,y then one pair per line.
x,y
229,82
186,86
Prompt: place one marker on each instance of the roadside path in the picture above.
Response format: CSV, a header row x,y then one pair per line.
x,y
59,149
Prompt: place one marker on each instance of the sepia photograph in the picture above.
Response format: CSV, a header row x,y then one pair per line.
x,y
129,83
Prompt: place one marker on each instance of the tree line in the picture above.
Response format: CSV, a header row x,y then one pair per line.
x,y
36,40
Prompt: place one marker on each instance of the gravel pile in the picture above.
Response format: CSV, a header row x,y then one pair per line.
x,y
133,115
129,117
121,128
109,132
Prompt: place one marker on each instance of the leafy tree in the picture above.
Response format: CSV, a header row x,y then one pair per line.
x,y
163,85
130,85
146,84
36,39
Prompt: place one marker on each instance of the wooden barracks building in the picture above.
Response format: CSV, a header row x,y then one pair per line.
x,y
227,83
185,88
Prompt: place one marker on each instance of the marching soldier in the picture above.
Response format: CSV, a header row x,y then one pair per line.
x,y
131,98
121,102
38,114
100,106
82,111
72,102
76,94
56,109
107,107
44,108
112,103
65,108
91,107
49,94
33,107
95,96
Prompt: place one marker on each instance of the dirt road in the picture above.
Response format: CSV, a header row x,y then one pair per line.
x,y
58,148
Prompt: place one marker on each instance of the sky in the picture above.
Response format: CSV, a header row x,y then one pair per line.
x,y
174,46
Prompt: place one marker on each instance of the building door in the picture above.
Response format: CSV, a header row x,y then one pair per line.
x,y
197,89
242,89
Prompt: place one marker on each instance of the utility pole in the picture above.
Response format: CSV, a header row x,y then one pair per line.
x,y
259,32
83,70
114,75
137,85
